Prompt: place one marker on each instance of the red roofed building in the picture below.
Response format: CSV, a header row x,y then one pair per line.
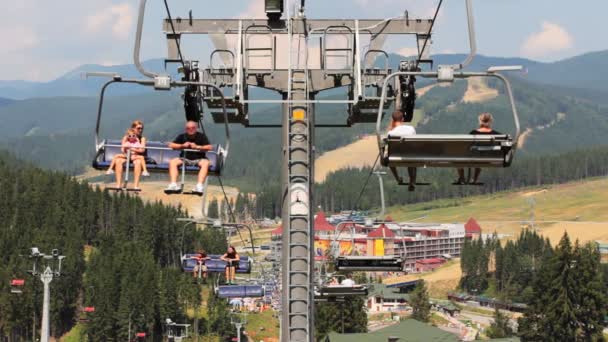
x,y
381,232
321,224
277,231
381,241
472,228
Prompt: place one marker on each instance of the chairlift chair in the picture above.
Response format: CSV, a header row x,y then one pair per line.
x,y
240,291
158,153
85,314
17,285
215,264
447,150
369,263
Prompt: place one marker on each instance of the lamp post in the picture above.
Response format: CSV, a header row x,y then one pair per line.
x,y
52,269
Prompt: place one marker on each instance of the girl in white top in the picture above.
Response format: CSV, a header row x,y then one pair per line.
x,y
130,142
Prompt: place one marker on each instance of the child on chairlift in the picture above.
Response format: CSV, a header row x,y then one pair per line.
x,y
130,142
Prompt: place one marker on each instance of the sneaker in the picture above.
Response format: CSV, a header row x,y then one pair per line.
x,y
198,188
172,187
110,172
145,174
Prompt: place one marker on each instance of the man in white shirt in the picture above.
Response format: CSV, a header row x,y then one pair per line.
x,y
348,281
398,128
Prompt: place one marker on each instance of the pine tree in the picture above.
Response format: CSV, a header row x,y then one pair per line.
x,y
590,298
419,299
500,327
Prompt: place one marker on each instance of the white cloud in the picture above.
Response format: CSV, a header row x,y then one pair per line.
x,y
254,10
550,39
17,38
118,17
408,51
415,8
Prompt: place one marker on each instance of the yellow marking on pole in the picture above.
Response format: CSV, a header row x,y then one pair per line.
x,y
299,114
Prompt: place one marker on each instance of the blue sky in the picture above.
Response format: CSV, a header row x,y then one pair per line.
x,y
44,39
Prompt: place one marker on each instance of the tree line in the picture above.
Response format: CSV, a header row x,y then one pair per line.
x,y
564,287
122,257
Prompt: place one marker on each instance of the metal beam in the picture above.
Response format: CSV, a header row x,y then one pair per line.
x,y
231,26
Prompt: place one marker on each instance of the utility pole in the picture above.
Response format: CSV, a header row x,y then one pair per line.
x,y
52,268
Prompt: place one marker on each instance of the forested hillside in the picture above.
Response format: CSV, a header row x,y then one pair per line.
x,y
122,257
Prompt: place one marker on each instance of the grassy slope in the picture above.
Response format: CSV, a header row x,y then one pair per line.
x,y
580,208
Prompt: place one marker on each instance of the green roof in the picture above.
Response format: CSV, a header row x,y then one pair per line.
x,y
381,290
408,330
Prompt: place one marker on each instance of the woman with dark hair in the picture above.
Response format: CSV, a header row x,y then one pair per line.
x,y
485,128
232,259
139,151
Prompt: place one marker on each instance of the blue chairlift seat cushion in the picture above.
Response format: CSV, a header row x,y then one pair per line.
x,y
240,291
215,265
156,159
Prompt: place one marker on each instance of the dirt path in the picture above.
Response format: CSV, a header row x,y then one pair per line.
x,y
478,91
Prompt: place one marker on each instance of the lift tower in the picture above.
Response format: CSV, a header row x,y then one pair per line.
x,y
297,57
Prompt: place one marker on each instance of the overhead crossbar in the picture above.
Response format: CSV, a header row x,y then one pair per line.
x,y
231,26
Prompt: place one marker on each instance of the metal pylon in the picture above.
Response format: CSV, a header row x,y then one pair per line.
x,y
298,239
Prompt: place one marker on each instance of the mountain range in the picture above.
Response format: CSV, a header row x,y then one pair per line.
x,y
557,113
588,71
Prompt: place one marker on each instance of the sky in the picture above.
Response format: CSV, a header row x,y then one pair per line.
x,y
43,40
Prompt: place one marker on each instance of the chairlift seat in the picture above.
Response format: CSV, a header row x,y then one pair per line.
x,y
17,285
240,291
366,111
369,263
340,291
158,157
448,150
215,264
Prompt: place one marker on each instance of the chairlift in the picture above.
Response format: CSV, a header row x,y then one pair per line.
x,y
448,150
331,293
240,291
175,331
215,264
17,285
86,313
369,263
158,154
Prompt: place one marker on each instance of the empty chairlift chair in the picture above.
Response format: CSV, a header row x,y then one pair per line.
x,y
331,293
17,285
240,291
369,263
448,150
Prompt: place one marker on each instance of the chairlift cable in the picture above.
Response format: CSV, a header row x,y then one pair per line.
x,y
231,212
428,35
179,50
371,172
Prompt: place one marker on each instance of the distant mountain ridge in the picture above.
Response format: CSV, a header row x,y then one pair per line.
x,y
587,71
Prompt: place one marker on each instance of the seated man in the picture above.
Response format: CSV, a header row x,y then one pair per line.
x,y
398,128
190,140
